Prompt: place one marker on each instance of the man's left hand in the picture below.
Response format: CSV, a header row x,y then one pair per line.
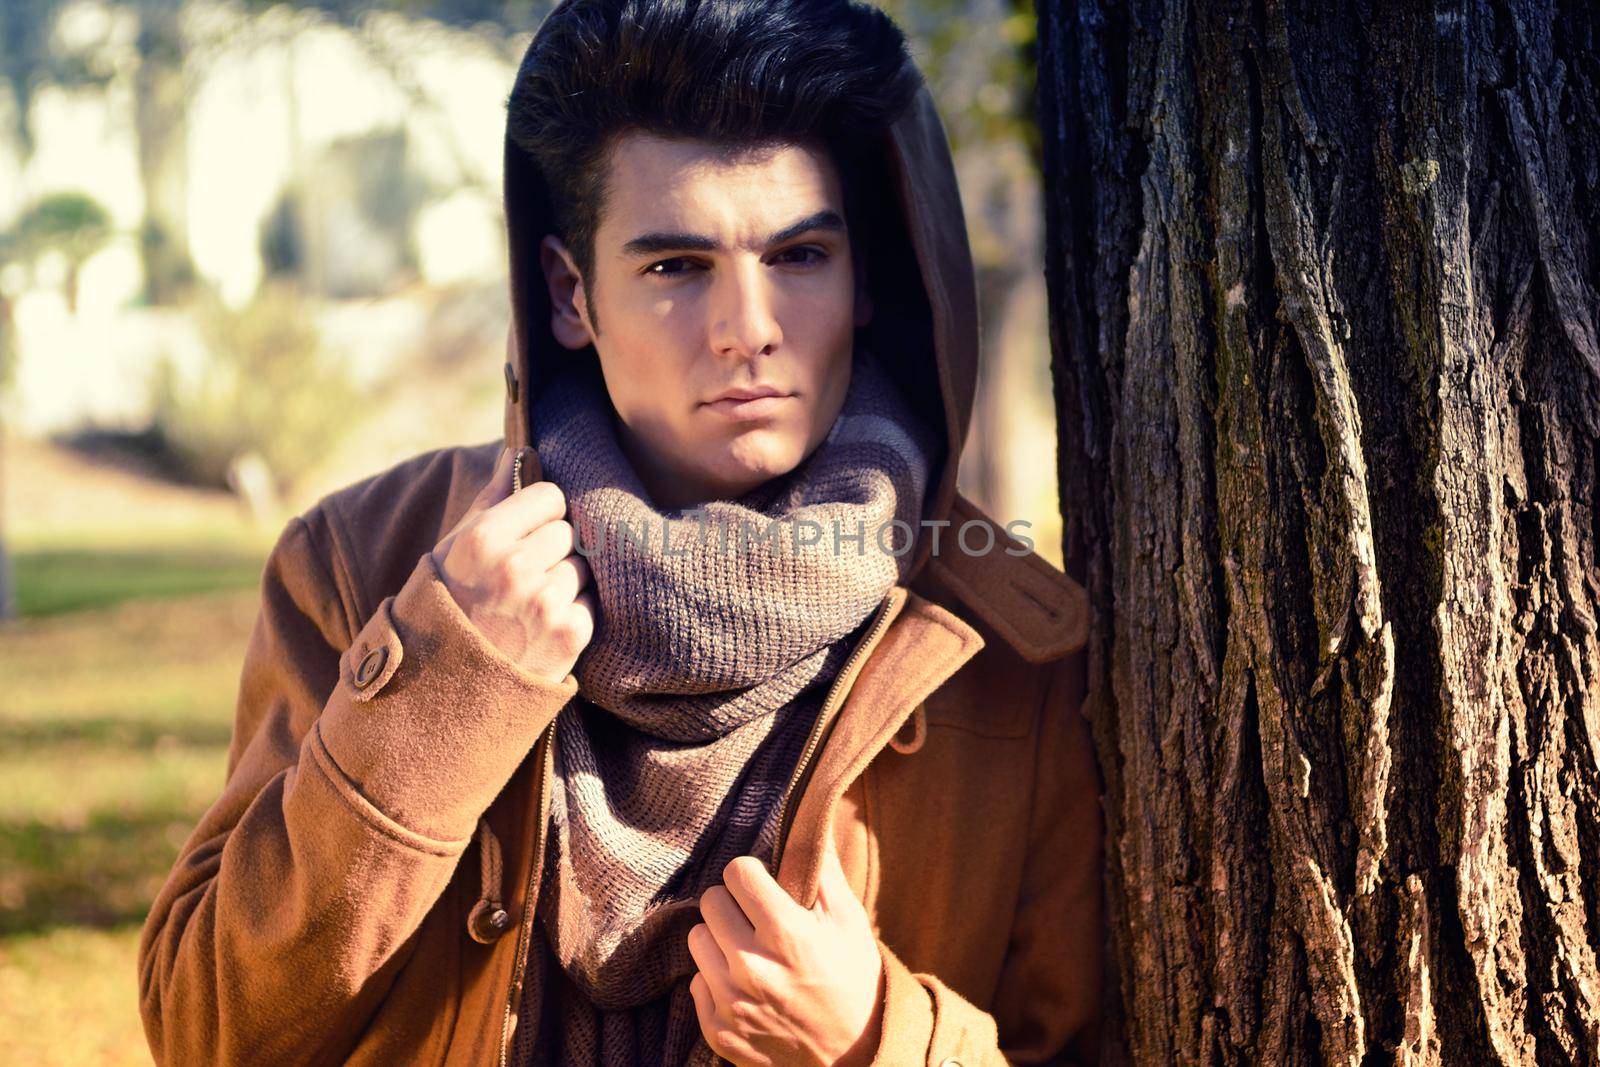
x,y
782,986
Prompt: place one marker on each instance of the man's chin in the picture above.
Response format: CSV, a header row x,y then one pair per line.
x,y
741,474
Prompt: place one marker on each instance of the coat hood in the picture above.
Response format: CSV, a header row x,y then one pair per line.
x,y
925,318
924,327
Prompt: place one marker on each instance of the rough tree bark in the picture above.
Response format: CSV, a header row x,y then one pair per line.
x,y
1325,330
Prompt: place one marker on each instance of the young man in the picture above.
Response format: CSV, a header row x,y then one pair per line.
x,y
687,722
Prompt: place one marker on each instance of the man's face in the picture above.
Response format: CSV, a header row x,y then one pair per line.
x,y
715,273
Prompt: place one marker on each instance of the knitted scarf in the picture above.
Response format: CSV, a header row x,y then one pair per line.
x,y
712,654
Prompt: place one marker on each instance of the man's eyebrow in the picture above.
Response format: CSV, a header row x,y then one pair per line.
x,y
649,244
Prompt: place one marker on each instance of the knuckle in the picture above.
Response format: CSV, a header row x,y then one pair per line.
x,y
573,639
539,611
783,942
475,541
559,531
579,623
551,605
550,495
564,640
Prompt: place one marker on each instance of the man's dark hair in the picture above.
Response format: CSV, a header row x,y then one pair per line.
x,y
832,74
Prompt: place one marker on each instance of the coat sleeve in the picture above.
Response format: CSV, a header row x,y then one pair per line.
x,y
344,812
1047,1001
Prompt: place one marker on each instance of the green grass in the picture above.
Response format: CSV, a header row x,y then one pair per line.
x,y
52,582
116,707
69,998
74,570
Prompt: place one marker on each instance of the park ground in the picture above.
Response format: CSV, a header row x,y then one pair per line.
x,y
117,684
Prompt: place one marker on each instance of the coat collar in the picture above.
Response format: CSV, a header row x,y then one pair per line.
x,y
921,648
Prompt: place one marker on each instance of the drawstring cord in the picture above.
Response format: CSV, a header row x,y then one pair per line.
x,y
488,918
919,732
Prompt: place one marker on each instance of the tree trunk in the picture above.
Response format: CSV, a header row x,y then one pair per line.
x,y
1323,316
161,121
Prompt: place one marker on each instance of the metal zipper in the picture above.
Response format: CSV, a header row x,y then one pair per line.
x,y
835,693
519,960
516,473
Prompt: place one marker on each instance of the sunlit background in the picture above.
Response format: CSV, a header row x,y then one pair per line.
x,y
250,253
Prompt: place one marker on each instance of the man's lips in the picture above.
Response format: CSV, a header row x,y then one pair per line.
x,y
748,392
750,404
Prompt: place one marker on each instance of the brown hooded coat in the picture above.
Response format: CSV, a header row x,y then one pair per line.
x,y
386,779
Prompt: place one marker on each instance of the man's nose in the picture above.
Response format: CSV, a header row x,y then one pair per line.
x,y
742,318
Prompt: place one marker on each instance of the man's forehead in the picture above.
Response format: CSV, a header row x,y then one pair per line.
x,y
657,184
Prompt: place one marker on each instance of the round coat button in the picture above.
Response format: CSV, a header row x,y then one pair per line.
x,y
487,922
951,1062
371,664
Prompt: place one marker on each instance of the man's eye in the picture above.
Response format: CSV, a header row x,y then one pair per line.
x,y
651,269
817,255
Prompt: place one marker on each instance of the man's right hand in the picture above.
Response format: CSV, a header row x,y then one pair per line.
x,y
511,565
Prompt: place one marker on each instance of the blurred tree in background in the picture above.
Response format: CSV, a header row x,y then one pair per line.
x,y
32,56
71,224
270,393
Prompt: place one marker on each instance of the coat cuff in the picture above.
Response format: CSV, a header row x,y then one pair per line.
x,y
927,1022
907,1015
430,719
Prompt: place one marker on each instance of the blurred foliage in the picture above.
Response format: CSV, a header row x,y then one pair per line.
x,y
1021,31
69,223
389,190
503,16
30,56
266,387
978,57
369,178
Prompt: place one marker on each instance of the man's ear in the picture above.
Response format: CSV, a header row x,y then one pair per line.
x,y
863,297
569,312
